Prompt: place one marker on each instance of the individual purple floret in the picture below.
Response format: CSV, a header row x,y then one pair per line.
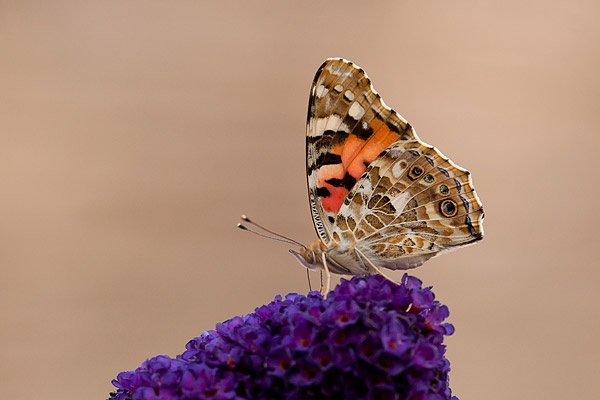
x,y
369,339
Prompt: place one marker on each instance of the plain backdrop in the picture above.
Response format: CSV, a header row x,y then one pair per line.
x,y
133,135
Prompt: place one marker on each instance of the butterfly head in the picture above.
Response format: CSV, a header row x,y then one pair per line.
x,y
311,256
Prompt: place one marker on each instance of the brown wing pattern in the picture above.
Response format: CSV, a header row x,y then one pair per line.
x,y
348,126
411,204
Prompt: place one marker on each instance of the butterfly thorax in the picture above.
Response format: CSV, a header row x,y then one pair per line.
x,y
341,258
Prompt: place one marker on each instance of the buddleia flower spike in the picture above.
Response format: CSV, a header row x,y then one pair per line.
x,y
369,339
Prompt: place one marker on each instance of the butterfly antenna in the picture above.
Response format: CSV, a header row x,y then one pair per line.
x,y
245,228
276,236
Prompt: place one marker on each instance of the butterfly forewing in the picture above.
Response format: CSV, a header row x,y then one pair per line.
x,y
348,126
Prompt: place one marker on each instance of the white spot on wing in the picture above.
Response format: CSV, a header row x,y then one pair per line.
x,y
367,187
331,123
348,73
319,127
338,88
321,91
397,170
334,121
356,111
349,95
344,128
400,201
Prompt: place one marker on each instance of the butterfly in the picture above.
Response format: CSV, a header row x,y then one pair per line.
x,y
380,198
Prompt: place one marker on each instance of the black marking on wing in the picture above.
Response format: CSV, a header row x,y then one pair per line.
x,y
327,159
328,139
458,185
347,182
314,139
465,203
356,127
443,171
470,226
323,192
359,131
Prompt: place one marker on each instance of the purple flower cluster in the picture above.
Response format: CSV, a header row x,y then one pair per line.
x,y
369,339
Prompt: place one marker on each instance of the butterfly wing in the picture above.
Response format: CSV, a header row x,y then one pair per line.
x,y
348,126
411,204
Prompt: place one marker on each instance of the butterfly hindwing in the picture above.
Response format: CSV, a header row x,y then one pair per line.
x,y
348,126
411,204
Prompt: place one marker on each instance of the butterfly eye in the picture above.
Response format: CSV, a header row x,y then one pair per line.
x,y
448,208
429,178
415,172
444,189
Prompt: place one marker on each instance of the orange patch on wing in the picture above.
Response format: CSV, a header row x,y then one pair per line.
x,y
360,152
333,202
355,154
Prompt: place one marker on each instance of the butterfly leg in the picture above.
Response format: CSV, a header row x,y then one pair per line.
x,y
373,266
308,278
321,278
327,273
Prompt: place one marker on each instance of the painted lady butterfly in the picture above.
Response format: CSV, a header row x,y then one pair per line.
x,y
379,196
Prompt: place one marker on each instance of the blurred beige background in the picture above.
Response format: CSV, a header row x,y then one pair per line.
x,y
133,134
